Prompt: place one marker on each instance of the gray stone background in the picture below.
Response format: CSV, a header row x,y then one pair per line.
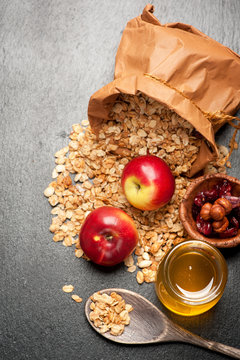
x,y
54,55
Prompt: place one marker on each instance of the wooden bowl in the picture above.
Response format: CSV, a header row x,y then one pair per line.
x,y
185,211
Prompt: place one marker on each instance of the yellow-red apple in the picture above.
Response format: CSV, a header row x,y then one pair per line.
x,y
147,182
108,235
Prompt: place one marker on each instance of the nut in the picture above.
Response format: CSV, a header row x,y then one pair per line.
x,y
217,212
225,203
205,211
220,226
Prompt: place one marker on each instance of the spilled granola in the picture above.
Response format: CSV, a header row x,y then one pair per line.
x,y
88,175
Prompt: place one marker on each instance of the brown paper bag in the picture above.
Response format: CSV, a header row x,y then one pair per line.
x,y
180,67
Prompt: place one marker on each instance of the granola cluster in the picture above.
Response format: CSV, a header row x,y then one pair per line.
x,y
88,175
109,312
69,289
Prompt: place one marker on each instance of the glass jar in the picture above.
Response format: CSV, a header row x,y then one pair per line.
x,y
191,277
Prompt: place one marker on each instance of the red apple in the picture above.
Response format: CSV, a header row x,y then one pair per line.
x,y
108,235
147,182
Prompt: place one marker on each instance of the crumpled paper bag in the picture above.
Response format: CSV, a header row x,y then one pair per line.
x,y
180,67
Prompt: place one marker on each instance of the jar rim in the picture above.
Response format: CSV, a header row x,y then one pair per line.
x,y
200,300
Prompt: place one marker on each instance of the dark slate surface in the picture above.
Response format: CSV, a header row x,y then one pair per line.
x,y
54,55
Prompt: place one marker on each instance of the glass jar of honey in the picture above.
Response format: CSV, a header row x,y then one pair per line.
x,y
191,278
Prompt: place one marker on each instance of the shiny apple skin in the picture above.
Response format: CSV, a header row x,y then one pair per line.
x,y
108,235
155,181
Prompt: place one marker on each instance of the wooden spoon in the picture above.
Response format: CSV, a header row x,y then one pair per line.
x,y
149,325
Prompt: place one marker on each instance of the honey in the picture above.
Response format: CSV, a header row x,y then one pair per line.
x,y
191,278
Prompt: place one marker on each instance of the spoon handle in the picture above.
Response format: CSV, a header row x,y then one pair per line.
x,y
215,346
188,337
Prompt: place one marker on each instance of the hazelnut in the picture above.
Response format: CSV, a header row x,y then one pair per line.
x,y
205,211
225,203
220,226
217,212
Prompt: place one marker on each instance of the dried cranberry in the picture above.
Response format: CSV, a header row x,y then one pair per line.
x,y
236,213
200,199
229,233
212,195
195,211
228,193
234,222
203,226
224,188
234,200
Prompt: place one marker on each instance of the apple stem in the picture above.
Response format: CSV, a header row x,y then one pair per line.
x,y
138,186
